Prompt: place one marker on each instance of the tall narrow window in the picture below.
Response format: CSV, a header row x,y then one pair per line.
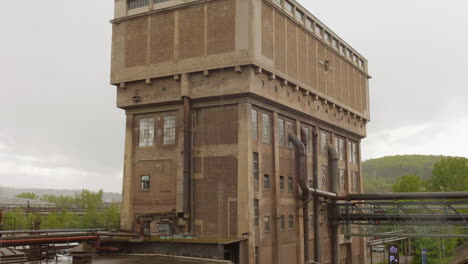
x,y
266,223
336,145
255,168
342,49
299,14
327,37
342,180
256,212
282,223
145,183
355,153
291,222
266,120
341,149
281,132
289,129
323,141
254,125
281,183
324,177
290,184
335,43
288,6
309,23
169,130
355,181
146,132
350,152
266,182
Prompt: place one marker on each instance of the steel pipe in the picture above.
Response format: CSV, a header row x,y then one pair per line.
x,y
408,196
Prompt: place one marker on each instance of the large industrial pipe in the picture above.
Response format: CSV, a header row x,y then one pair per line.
x,y
187,158
315,180
408,196
57,240
333,166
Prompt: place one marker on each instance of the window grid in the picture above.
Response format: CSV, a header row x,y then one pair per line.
x,y
299,15
281,183
289,129
355,153
341,148
307,132
324,177
266,137
145,182
169,130
266,182
257,212
323,141
318,30
355,180
255,125
146,132
266,222
288,6
282,224
309,23
132,4
281,132
290,184
160,1
291,222
342,180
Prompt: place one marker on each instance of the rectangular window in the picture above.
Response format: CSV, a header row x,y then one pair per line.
x,y
355,181
169,130
306,140
266,120
327,37
256,212
343,50
309,23
355,153
266,223
132,4
282,223
341,149
288,6
335,43
291,222
361,64
145,182
160,1
266,182
324,177
349,53
355,59
289,129
299,15
146,132
281,133
255,165
278,1
350,152
254,125
342,180
336,146
281,183
290,184
318,30
323,141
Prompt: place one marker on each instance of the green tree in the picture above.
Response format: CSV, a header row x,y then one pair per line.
x,y
28,195
408,183
449,175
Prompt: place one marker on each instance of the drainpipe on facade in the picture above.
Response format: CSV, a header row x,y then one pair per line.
x,y
333,165
316,203
187,161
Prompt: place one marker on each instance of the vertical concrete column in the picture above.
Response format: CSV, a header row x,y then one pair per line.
x,y
127,212
277,192
245,190
299,213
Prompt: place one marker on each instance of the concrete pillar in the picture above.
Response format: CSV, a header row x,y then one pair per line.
x,y
127,219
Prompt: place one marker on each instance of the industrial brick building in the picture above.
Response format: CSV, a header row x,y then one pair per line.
x,y
211,90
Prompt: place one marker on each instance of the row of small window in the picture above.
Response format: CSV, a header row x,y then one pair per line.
x,y
267,220
132,4
147,131
266,177
321,33
342,180
285,127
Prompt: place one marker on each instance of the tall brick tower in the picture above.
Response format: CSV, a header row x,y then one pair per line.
x,y
211,89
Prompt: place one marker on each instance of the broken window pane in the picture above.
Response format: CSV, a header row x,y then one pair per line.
x,y
145,182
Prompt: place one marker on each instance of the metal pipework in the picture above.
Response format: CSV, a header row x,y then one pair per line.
x,y
333,166
408,196
315,180
187,157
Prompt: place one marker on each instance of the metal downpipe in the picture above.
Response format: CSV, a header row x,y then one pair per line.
x,y
315,180
333,166
187,160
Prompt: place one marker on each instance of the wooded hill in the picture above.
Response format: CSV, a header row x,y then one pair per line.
x,y
380,174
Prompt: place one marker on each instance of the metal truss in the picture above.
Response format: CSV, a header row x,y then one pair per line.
x,y
393,219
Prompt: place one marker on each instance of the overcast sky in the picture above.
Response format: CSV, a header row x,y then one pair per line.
x,y
60,127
